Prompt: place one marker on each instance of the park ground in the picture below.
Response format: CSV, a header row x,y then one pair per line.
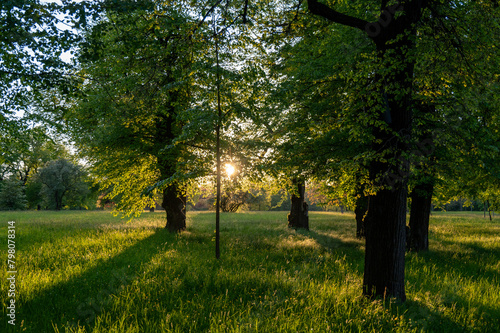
x,y
93,272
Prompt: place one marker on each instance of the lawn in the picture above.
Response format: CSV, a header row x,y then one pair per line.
x,y
92,272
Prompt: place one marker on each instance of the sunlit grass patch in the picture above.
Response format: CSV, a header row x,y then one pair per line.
x,y
92,272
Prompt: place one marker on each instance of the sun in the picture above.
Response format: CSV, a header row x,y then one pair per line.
x,y
230,169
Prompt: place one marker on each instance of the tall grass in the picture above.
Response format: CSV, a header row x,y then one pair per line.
x,y
92,272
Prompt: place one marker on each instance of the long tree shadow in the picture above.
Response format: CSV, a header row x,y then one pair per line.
x,y
79,300
467,264
213,288
332,243
481,317
351,250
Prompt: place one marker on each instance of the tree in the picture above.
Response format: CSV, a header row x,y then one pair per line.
x,y
298,217
395,38
27,150
454,106
61,179
139,101
307,109
392,36
230,201
422,182
30,55
12,195
33,193
31,47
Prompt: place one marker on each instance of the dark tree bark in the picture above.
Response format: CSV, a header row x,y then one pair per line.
x,y
385,245
174,203
299,217
174,196
58,196
421,195
231,202
421,198
360,212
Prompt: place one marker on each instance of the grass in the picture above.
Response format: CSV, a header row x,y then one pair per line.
x,y
92,272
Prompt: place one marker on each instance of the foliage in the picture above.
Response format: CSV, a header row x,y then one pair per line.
x,y
462,90
12,195
232,201
33,191
63,184
139,63
33,41
28,150
307,104
297,98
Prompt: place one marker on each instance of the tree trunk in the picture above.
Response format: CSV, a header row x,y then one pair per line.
x,y
298,217
174,203
360,211
385,244
421,198
385,220
58,198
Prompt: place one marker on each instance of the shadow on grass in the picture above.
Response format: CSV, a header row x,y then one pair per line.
x,y
79,300
428,319
332,243
244,293
469,262
464,266
351,251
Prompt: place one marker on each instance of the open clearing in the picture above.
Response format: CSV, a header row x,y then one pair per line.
x,y
92,272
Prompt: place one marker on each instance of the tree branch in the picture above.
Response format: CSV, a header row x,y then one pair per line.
x,y
245,9
323,10
205,17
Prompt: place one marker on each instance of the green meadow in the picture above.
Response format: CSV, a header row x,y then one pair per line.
x,y
93,272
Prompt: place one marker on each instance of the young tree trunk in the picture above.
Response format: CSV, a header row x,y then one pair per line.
x,y
298,217
174,203
421,198
360,211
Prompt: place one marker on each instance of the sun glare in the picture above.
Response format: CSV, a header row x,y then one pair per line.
x,y
229,169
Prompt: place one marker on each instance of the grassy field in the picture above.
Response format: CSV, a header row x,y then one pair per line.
x,y
92,272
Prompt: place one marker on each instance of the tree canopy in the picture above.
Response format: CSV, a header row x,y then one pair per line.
x,y
380,102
